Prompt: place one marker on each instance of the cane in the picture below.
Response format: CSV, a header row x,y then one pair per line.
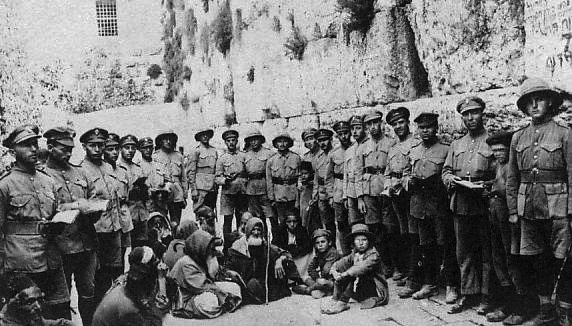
x,y
553,297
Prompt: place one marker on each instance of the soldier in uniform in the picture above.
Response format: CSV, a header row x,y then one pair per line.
x,y
154,178
369,168
170,162
349,188
538,179
335,175
397,221
230,174
255,161
322,191
282,172
78,241
108,226
201,171
138,193
306,187
28,201
429,210
471,159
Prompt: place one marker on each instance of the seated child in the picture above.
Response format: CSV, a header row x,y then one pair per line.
x,y
358,275
320,282
293,237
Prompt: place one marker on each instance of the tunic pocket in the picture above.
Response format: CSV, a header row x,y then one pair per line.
x,y
521,200
551,156
557,198
18,206
26,252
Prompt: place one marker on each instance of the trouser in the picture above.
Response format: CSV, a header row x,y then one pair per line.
x,y
110,262
57,298
327,216
205,198
414,269
344,230
346,289
397,228
354,215
261,207
376,206
232,205
175,212
82,266
472,234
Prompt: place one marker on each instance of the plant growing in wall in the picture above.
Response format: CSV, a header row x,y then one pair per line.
x,y
358,14
154,71
173,67
222,29
191,29
296,43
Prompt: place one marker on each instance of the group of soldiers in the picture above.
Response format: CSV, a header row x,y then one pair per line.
x,y
487,214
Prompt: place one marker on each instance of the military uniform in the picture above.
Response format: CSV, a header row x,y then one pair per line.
x,y
28,201
306,187
201,173
350,184
471,159
154,177
323,185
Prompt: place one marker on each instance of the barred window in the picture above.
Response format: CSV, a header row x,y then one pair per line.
x,y
106,12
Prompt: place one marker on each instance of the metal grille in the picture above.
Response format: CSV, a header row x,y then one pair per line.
x,y
106,12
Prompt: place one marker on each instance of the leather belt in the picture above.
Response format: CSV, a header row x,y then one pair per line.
x,y
374,170
397,175
321,181
543,176
31,228
284,181
256,176
339,176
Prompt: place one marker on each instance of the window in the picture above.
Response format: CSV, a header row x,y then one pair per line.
x,y
106,12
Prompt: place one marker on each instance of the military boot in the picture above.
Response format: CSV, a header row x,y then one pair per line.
x,y
565,314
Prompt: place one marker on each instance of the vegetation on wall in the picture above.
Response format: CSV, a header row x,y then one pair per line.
x,y
154,71
191,30
296,43
358,13
173,66
222,29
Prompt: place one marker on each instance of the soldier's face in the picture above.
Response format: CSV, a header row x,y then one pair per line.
x,y
128,151
282,144
310,143
204,139
231,143
26,152
473,119
146,152
374,127
427,131
94,150
255,143
401,127
537,105
358,133
500,152
344,137
111,153
59,152
325,143
167,143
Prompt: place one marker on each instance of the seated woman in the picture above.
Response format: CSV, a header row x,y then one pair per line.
x,y
320,281
195,274
293,237
176,248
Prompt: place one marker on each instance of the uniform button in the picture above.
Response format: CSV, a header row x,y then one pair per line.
x,y
535,143
536,131
535,156
471,151
472,141
468,173
67,181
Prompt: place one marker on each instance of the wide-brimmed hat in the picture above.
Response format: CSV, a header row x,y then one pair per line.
x,y
165,133
361,229
537,85
283,135
252,134
203,131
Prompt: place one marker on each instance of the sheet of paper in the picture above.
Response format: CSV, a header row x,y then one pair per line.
x,y
67,217
469,184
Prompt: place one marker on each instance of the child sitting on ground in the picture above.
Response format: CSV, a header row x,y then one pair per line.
x,y
358,275
293,237
320,282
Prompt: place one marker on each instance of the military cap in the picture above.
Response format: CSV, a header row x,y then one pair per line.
x,y
94,135
165,133
112,139
427,117
309,132
229,133
145,142
471,103
306,166
321,233
324,133
128,139
283,135
356,120
61,135
20,134
502,137
203,131
254,132
396,114
537,85
375,115
341,126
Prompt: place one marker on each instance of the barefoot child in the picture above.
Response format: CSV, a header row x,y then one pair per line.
x,y
359,275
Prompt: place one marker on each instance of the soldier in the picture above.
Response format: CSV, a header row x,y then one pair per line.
x,y
108,227
255,166
230,174
428,207
306,186
322,191
335,176
170,163
369,168
154,179
28,201
78,241
349,190
539,175
201,171
138,193
282,172
471,159
397,222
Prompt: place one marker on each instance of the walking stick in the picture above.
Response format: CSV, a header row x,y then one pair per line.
x,y
553,297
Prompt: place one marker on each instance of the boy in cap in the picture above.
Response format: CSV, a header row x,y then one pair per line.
x,y
28,201
282,173
358,275
335,178
539,200
322,191
471,159
306,187
230,175
201,171
170,162
349,188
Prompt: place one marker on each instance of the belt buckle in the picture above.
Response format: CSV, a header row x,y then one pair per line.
x,y
534,173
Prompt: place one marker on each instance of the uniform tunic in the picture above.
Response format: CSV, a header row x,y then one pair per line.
x,y
255,168
323,188
201,169
282,172
231,165
172,167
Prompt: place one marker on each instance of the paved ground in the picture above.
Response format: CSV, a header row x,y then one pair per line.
x,y
303,310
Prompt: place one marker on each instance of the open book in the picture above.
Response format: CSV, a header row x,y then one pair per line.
x,y
67,217
469,185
